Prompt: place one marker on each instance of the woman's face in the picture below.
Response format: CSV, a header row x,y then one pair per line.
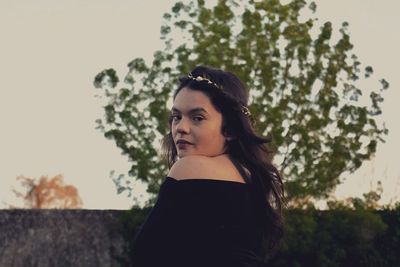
x,y
195,120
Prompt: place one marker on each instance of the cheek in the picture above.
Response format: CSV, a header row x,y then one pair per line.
x,y
211,137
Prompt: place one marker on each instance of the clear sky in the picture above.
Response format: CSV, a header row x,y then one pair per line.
x,y
51,50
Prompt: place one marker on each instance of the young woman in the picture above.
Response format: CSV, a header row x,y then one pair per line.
x,y
221,202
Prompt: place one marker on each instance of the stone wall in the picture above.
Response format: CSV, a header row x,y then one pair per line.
x,y
61,238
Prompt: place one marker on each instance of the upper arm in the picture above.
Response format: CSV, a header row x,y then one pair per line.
x,y
192,167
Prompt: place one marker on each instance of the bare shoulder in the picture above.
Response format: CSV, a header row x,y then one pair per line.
x,y
202,167
190,167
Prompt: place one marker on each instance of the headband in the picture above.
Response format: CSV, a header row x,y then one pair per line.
x,y
244,109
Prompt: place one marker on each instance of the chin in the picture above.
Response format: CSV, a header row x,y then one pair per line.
x,y
184,154
181,155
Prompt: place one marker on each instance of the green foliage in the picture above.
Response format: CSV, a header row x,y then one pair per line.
x,y
368,202
128,226
108,73
390,242
303,90
339,238
334,238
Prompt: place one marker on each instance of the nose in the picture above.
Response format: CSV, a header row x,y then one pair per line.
x,y
183,126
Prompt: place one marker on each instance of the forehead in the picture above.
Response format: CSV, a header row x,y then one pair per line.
x,y
188,99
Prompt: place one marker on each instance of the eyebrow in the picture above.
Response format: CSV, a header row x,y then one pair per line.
x,y
193,110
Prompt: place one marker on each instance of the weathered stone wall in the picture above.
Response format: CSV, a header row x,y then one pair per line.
x,y
61,238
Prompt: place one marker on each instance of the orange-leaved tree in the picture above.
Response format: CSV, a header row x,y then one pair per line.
x,y
47,193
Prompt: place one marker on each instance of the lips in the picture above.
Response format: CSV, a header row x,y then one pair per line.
x,y
181,141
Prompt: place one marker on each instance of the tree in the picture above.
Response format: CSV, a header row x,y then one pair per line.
x,y
48,193
370,201
304,90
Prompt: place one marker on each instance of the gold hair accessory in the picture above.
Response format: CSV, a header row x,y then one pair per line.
x,y
244,109
247,113
201,78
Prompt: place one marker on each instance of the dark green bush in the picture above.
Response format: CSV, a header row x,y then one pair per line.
x,y
333,238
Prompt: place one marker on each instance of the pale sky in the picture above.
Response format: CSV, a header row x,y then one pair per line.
x,y
50,52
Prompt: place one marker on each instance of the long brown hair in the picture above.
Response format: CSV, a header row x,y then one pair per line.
x,y
246,147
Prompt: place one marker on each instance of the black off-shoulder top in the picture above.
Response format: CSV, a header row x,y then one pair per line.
x,y
200,222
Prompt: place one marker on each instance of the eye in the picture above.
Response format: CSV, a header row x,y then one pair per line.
x,y
174,117
198,118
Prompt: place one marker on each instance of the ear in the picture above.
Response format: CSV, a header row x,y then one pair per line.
x,y
229,137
